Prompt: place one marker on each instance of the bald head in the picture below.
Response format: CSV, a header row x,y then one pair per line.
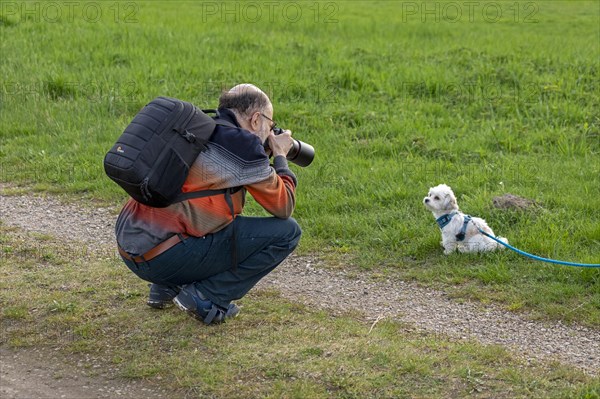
x,y
245,99
252,108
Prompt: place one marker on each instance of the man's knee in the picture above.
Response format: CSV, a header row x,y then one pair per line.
x,y
295,232
284,232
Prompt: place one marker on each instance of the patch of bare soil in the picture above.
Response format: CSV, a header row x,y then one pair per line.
x,y
46,374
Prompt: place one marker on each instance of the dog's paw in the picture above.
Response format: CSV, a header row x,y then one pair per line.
x,y
504,240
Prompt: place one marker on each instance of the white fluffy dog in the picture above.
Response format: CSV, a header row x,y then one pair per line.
x,y
459,231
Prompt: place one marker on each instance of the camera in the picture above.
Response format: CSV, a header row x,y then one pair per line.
x,y
301,153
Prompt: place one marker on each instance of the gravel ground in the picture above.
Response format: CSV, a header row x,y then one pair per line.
x,y
302,279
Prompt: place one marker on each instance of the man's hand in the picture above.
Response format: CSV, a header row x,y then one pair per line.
x,y
280,144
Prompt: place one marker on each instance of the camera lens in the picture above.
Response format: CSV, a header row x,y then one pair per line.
x,y
301,153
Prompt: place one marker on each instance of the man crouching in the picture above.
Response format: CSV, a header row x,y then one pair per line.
x,y
201,253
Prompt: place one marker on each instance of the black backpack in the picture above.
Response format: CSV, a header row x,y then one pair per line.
x,y
153,156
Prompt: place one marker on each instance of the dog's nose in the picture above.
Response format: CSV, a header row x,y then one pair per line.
x,y
426,200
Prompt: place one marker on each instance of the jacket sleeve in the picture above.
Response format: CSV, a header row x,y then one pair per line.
x,y
277,193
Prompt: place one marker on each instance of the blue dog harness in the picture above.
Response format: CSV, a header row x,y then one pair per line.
x,y
443,221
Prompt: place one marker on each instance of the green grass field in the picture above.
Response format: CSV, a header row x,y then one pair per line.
x,y
396,97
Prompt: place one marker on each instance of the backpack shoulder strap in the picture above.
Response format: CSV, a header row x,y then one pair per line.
x,y
198,194
205,193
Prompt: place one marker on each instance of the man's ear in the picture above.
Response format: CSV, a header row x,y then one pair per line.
x,y
255,121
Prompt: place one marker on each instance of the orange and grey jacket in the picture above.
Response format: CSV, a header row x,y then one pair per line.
x,y
234,158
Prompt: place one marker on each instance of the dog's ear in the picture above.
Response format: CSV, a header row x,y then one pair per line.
x,y
450,201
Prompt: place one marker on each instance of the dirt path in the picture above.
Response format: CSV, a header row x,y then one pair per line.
x,y
301,279
45,374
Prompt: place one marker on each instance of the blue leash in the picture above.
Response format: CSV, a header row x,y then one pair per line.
x,y
558,262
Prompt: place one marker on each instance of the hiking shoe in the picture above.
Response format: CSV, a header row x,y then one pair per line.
x,y
196,305
161,296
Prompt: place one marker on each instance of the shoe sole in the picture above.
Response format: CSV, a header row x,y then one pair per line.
x,y
159,304
196,316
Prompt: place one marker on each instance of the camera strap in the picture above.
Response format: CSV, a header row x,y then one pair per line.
x,y
229,202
